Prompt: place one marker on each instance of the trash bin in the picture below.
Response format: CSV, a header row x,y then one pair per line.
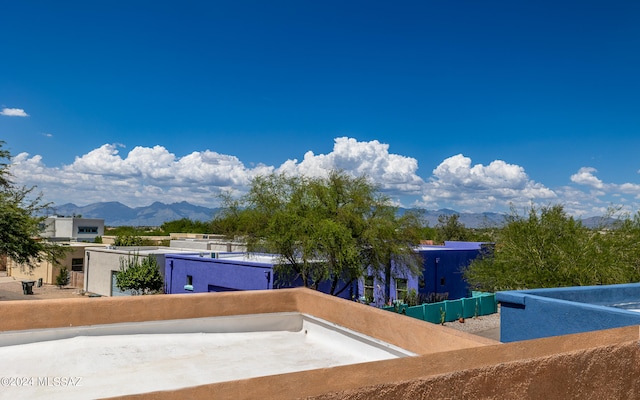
x,y
39,282
27,287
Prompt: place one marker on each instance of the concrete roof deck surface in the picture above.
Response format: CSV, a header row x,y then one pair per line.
x,y
101,360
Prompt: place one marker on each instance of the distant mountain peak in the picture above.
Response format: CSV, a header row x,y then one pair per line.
x,y
117,214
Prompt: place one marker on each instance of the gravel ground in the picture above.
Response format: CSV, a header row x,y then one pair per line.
x,y
477,324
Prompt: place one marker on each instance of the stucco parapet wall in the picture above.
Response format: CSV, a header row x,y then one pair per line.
x,y
408,333
450,364
594,365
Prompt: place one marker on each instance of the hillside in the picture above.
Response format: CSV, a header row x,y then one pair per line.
x,y
118,214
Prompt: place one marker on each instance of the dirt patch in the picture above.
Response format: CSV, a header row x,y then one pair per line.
x,y
12,290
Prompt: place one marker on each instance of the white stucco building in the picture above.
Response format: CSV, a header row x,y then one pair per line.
x,y
57,228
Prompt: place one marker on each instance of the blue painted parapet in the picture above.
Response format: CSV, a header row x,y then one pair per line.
x,y
538,313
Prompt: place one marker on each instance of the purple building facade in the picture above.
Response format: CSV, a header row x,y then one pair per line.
x,y
211,272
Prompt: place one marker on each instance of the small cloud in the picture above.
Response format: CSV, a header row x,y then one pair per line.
x,y
45,134
13,112
586,176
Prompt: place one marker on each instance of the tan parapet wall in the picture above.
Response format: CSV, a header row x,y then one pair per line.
x,y
594,365
411,334
451,364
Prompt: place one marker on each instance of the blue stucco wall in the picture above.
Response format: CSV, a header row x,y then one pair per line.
x,y
379,285
211,274
537,313
443,271
221,275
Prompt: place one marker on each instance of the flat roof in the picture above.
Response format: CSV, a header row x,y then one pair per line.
x,y
247,343
172,354
144,250
257,258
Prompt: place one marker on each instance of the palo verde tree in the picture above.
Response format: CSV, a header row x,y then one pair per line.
x,y
548,248
140,275
324,229
20,220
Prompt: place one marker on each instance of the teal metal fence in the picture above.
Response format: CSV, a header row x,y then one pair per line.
x,y
450,310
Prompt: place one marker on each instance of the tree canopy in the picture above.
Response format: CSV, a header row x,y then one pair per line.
x,y
449,227
20,223
324,229
185,225
548,248
140,275
128,240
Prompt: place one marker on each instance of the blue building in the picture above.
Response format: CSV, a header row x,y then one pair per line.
x,y
220,272
444,267
223,272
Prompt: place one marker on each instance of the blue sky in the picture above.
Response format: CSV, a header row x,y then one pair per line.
x,y
473,106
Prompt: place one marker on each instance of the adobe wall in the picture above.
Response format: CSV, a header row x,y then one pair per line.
x,y
594,365
452,364
98,267
411,334
45,269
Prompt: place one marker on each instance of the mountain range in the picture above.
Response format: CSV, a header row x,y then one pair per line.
x,y
117,214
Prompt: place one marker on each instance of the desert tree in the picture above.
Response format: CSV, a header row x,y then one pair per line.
x,y
21,220
324,229
548,248
140,275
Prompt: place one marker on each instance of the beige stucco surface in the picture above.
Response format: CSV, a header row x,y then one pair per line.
x,y
449,364
45,269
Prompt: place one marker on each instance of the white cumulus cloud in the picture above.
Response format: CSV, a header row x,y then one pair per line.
x,y
585,176
13,112
480,188
146,174
392,172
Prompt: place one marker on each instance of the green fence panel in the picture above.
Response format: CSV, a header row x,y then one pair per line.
x,y
470,307
488,304
432,312
416,312
482,303
453,310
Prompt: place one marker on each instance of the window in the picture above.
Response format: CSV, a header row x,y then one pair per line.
x,y
368,289
77,264
401,289
189,285
87,229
